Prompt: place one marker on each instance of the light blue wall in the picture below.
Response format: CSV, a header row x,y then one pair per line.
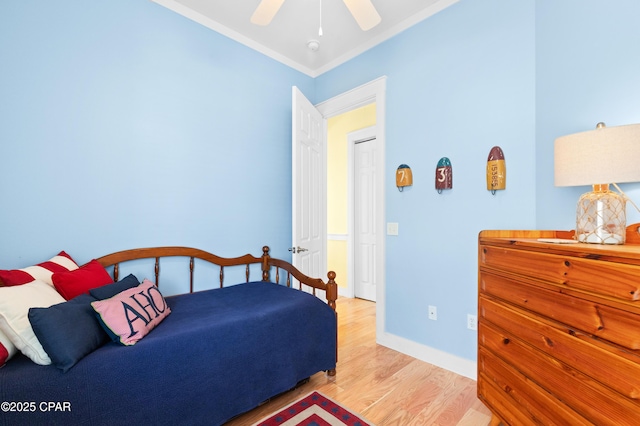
x,y
587,70
123,124
458,84
484,73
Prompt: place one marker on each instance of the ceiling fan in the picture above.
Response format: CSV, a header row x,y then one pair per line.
x,y
363,12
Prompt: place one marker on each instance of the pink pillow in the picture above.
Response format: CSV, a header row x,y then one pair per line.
x,y
74,283
42,271
130,315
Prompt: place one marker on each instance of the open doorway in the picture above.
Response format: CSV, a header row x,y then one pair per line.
x,y
352,220
372,94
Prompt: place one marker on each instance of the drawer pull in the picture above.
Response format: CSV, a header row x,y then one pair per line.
x,y
567,263
600,320
506,341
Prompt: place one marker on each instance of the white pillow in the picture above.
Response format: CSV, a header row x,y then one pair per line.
x,y
14,321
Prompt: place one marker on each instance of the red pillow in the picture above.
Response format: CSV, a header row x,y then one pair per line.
x,y
7,348
42,271
4,355
73,283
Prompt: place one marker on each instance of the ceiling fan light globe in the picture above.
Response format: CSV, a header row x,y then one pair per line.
x,y
313,45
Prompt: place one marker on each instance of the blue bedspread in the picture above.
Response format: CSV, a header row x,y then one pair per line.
x,y
218,354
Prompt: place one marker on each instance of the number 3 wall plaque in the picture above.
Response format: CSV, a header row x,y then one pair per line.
x,y
444,175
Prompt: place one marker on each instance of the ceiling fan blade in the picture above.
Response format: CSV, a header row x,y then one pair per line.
x,y
364,13
265,11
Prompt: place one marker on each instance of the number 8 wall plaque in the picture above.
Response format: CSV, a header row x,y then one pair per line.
x,y
496,170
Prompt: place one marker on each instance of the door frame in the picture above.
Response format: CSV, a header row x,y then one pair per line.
x,y
374,91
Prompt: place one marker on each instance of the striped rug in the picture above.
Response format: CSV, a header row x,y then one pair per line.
x,y
314,409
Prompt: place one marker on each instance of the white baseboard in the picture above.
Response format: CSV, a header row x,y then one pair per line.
x,y
345,292
461,366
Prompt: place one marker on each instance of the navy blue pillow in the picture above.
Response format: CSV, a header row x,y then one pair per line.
x,y
68,331
110,290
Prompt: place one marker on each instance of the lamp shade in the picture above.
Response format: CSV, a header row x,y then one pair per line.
x,y
601,156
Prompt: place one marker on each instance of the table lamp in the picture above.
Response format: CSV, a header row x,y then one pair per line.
x,y
600,157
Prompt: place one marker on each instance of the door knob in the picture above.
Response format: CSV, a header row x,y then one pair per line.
x,y
297,249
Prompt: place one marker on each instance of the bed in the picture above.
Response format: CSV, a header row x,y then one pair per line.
x,y
219,353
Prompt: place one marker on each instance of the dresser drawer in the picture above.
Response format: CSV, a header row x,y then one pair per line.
x,y
581,350
590,399
517,400
606,322
600,277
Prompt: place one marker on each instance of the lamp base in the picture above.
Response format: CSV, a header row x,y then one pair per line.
x,y
600,239
601,217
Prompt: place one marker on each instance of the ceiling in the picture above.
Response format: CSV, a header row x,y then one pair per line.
x,y
298,21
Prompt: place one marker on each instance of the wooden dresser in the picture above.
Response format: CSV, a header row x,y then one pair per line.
x,y
558,329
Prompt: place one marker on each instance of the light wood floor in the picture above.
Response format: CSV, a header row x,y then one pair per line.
x,y
382,385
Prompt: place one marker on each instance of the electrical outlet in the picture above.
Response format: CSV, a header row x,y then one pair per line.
x,y
472,322
433,313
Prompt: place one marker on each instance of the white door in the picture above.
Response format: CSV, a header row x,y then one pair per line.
x,y
366,220
309,228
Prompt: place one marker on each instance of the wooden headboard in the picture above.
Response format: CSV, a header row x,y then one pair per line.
x,y
294,278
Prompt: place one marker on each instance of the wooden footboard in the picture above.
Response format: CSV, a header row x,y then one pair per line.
x,y
292,276
281,269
